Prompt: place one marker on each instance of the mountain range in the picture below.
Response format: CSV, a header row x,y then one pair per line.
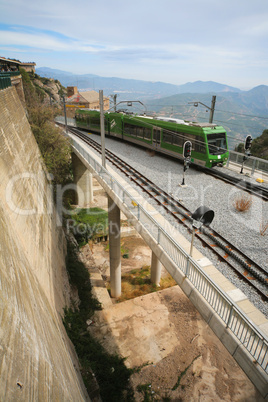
x,y
240,112
131,87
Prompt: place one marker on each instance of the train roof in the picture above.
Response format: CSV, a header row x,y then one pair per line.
x,y
180,121
160,118
202,125
171,120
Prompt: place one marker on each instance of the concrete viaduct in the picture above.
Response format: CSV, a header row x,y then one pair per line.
x,y
241,328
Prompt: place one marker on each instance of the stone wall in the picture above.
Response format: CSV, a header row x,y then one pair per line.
x,y
37,359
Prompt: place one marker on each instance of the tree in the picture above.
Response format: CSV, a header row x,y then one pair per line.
x,y
259,147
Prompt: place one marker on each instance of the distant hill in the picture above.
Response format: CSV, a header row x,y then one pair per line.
x,y
131,89
203,87
256,99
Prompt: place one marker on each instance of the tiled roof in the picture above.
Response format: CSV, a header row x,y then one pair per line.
x,y
91,96
85,97
76,98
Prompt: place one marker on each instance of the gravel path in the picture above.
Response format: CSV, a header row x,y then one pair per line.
x,y
242,229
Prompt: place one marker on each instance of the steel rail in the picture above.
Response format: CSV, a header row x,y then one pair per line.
x,y
243,265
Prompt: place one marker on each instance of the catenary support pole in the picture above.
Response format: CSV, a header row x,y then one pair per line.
x,y
212,108
114,248
102,127
65,116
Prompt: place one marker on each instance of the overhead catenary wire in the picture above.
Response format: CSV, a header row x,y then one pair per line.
x,y
216,110
242,114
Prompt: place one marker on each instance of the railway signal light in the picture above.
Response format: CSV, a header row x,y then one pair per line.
x,y
247,146
248,142
201,216
204,215
187,150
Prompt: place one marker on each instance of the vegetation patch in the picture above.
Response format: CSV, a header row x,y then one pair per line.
x,y
89,223
138,283
110,371
242,202
263,228
146,391
54,147
183,373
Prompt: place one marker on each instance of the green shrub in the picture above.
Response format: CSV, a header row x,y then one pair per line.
x,y
90,223
55,149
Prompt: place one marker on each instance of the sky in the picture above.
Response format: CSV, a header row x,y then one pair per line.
x,y
171,41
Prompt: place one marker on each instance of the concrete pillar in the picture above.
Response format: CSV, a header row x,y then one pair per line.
x,y
155,270
114,248
83,181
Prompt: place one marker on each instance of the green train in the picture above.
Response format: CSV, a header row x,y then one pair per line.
x,y
162,134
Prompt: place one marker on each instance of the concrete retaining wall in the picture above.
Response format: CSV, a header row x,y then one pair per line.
x,y
37,359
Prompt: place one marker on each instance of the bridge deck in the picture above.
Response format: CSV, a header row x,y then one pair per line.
x,y
225,323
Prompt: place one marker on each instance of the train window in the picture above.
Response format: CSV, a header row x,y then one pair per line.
x,y
200,145
140,132
178,140
217,143
130,129
95,121
147,133
167,137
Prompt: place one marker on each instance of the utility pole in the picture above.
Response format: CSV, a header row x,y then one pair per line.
x,y
212,108
114,98
65,117
213,101
102,128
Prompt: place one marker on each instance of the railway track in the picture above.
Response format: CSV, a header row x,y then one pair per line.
x,y
240,263
254,189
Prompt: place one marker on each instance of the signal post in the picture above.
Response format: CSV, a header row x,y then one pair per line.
x,y
187,150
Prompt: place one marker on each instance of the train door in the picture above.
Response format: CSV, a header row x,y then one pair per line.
x,y
156,137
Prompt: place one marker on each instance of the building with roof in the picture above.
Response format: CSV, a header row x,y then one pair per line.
x,y
10,65
85,99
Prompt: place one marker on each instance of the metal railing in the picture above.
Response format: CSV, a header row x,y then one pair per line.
x,y
253,163
255,342
70,120
5,81
5,78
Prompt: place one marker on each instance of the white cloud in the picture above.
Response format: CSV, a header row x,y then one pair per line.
x,y
143,38
44,42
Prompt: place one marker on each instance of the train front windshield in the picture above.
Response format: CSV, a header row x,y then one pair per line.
x,y
217,143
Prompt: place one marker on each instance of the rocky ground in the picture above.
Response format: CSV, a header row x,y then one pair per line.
x,y
180,358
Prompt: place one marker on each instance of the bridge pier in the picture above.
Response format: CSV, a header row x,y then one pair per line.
x,y
83,181
155,270
114,248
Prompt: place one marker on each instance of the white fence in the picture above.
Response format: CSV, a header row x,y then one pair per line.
x,y
243,329
252,163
